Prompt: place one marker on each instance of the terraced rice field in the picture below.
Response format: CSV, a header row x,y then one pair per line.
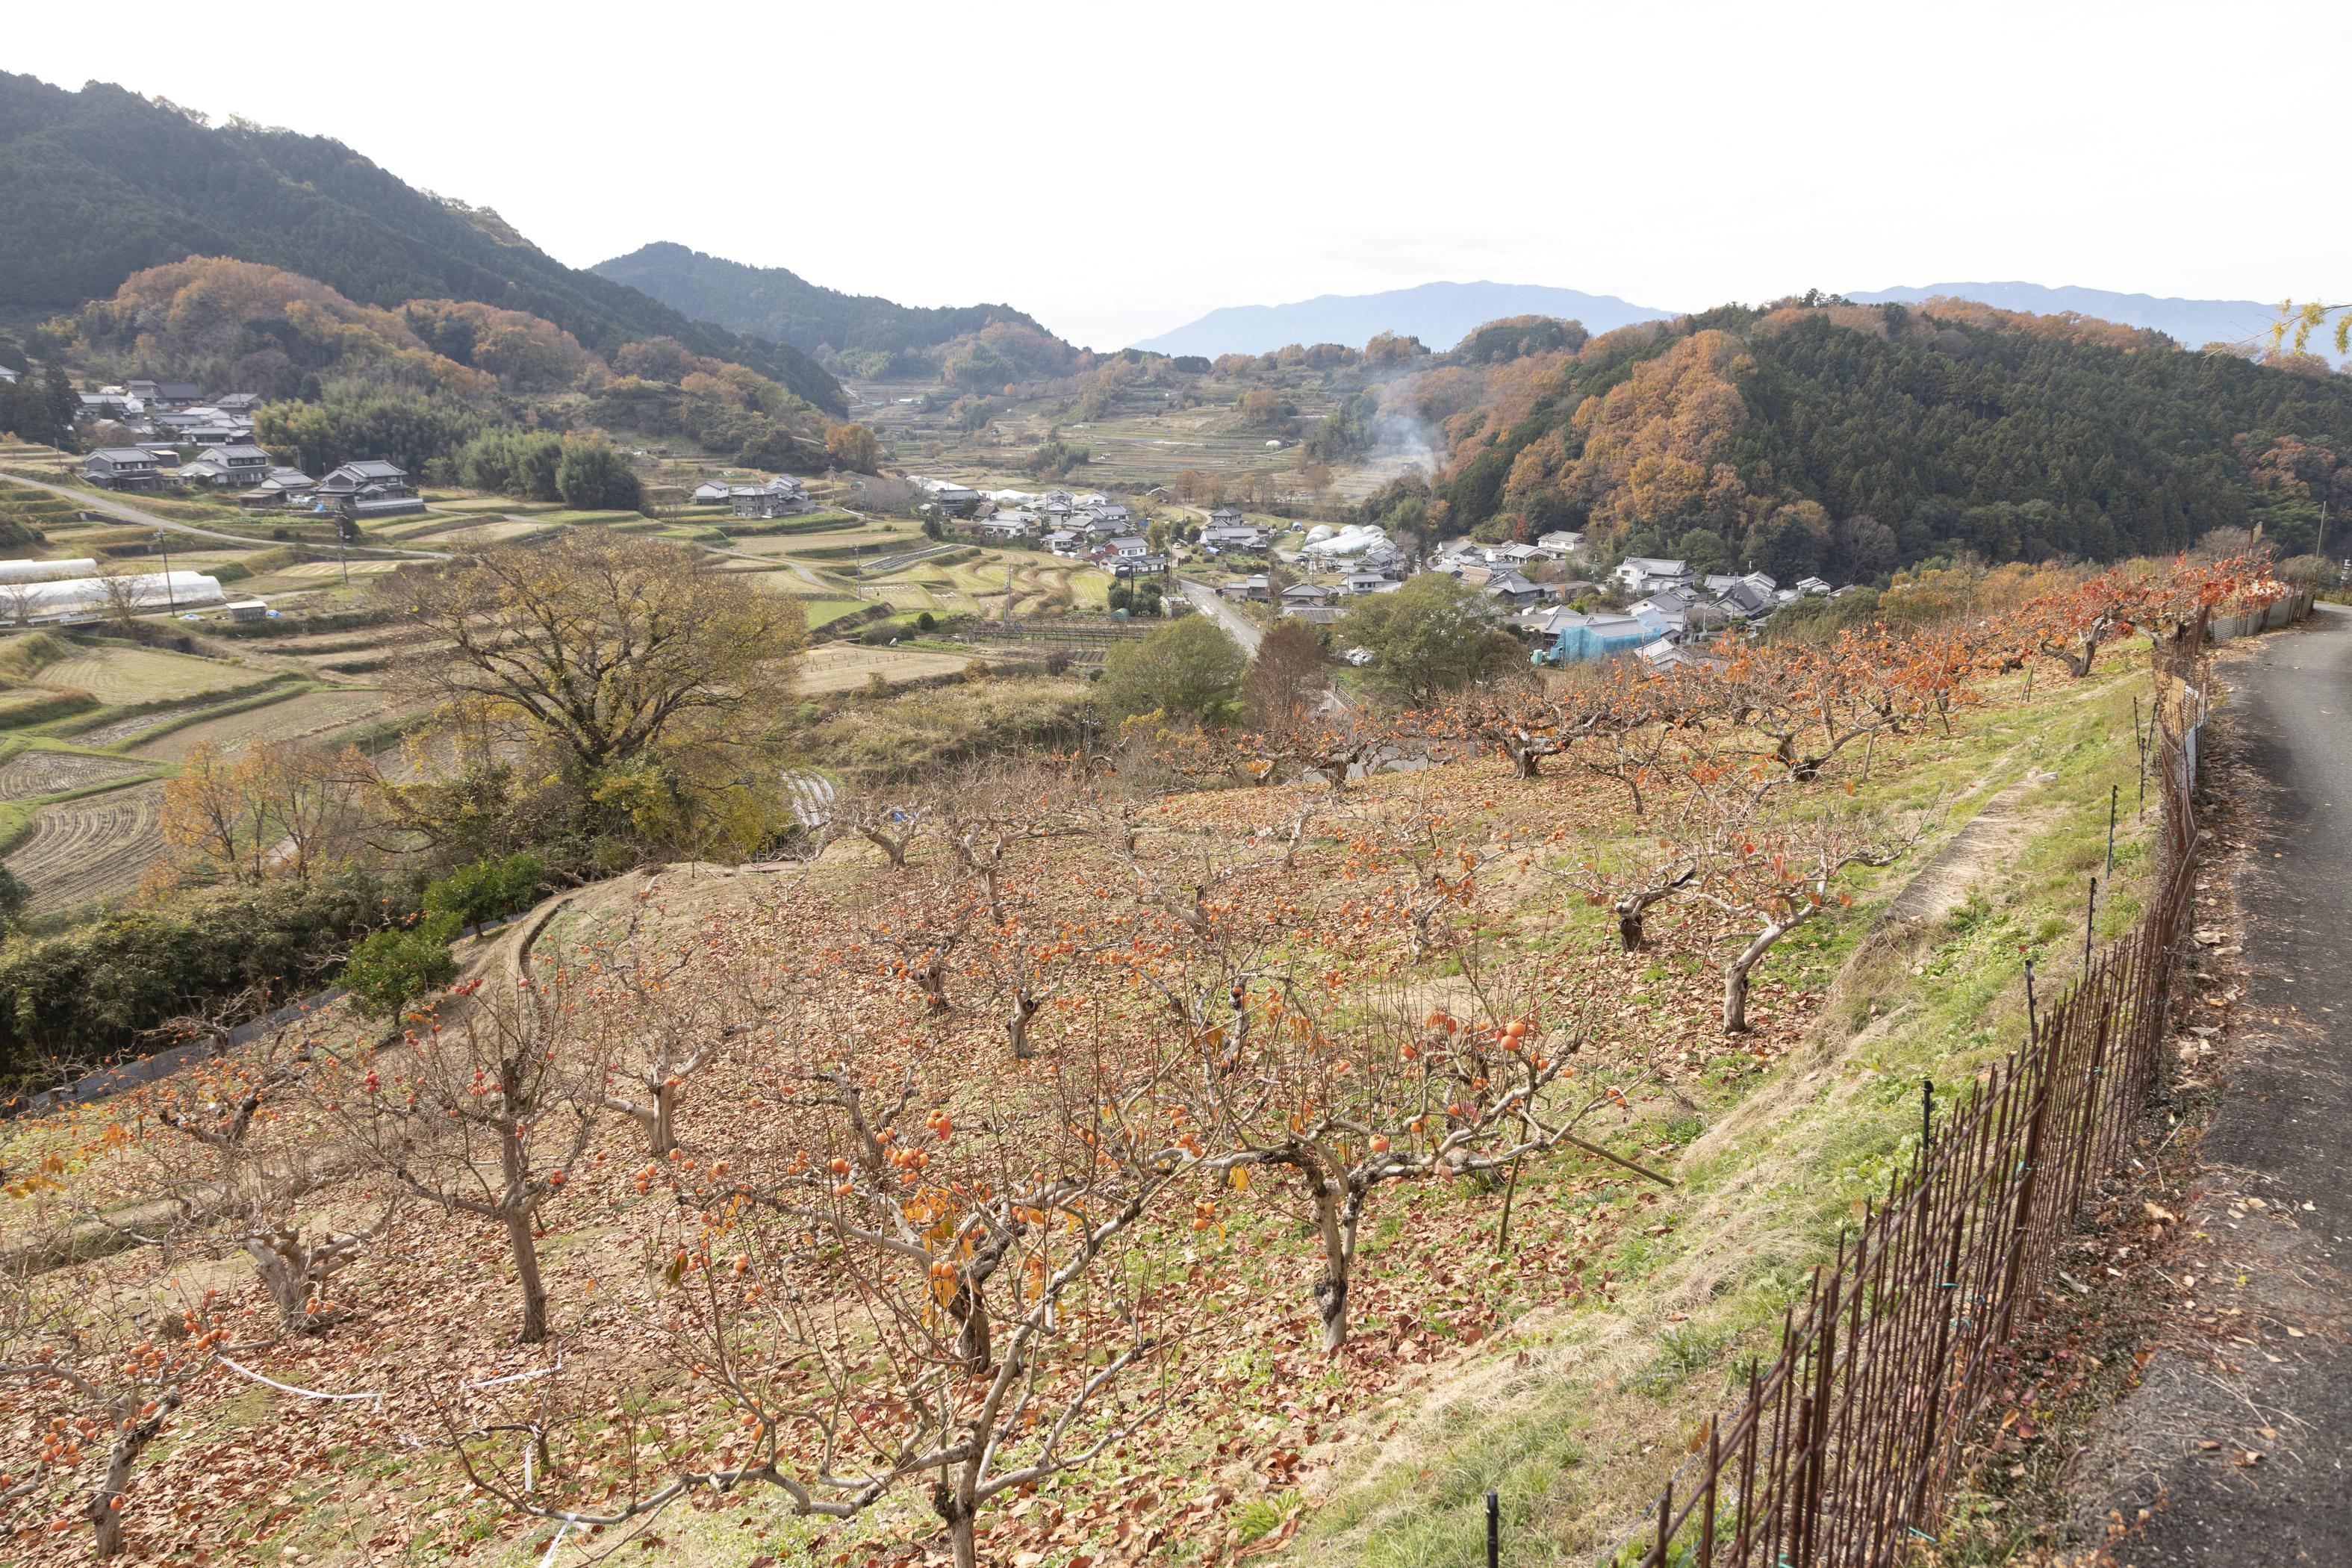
x,y
118,730
845,667
90,848
115,675
31,773
477,533
315,718
309,570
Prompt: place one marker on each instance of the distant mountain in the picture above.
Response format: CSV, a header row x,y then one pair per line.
x,y
2191,323
1439,314
99,183
782,305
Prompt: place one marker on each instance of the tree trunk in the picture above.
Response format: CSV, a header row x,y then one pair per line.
x,y
1525,762
1016,1027
664,1122
534,1290
284,1265
1735,973
130,1442
1339,1255
971,1313
1629,925
957,1511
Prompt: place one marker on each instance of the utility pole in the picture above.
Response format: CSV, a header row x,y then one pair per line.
x,y
162,544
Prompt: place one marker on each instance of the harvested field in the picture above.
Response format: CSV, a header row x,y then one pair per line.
x,y
123,729
49,772
845,666
122,675
335,569
92,848
315,716
492,532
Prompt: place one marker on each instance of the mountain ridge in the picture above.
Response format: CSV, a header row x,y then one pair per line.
x,y
2191,323
99,183
779,303
1440,314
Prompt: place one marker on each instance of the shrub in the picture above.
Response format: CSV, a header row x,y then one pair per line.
x,y
488,889
95,991
927,622
390,968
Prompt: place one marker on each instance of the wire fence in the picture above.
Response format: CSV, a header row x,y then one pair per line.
x,y
1842,1446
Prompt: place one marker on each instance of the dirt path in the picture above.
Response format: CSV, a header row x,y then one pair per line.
x,y
2242,1451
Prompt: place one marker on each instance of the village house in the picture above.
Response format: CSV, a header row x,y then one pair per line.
x,y
1510,588
121,468
1062,541
1225,517
1580,638
1220,537
1252,589
1358,583
281,487
369,489
1646,574
780,497
1010,523
1561,544
1129,547
1299,593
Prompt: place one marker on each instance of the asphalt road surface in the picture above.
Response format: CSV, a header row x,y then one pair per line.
x,y
1242,629
2244,1457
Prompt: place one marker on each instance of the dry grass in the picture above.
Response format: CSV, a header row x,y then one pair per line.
x,y
127,675
848,667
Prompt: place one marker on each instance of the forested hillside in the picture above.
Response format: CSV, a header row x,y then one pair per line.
x,y
1847,440
100,183
872,335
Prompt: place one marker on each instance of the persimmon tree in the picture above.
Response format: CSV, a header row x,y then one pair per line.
x,y
1346,1100
890,826
1769,872
661,1017
102,1368
230,1171
487,1117
888,1296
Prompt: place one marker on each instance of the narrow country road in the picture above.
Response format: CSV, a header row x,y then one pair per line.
x,y
1239,628
128,513
2243,1455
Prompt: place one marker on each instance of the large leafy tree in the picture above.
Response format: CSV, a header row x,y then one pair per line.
x,y
608,649
1190,670
1431,637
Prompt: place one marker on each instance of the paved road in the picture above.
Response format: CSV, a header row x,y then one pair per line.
x,y
129,513
1239,627
2273,1189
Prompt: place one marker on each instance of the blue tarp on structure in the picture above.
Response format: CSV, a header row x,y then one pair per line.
x,y
1610,639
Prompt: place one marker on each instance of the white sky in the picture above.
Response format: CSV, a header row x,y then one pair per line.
x,y
1119,170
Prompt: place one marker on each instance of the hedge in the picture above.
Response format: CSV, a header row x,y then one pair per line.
x,y
93,992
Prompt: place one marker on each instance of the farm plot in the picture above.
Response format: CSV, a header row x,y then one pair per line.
x,y
497,531
122,675
847,666
31,773
315,717
311,569
89,848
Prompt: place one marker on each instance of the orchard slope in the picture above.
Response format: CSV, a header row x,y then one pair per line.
x,y
1086,1162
